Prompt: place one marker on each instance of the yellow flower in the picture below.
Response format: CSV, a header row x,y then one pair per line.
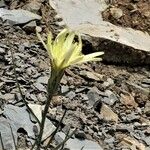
x,y
64,51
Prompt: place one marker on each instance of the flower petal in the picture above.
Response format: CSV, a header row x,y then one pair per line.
x,y
92,57
68,41
40,38
68,55
76,60
49,45
77,49
58,44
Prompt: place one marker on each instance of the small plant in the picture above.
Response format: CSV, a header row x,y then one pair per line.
x,y
63,52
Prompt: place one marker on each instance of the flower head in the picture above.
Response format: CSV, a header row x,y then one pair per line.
x,y
65,51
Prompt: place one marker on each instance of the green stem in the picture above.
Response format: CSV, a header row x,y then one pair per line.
x,y
53,84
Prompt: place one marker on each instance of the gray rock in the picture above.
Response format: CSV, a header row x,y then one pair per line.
x,y
33,6
43,79
16,117
18,16
111,98
108,83
6,134
139,135
132,116
146,14
80,135
58,139
71,95
18,96
2,84
147,140
1,111
110,140
33,97
131,6
64,89
81,89
91,75
93,96
84,97
124,128
76,144
49,127
147,132
2,50
146,81
147,108
30,27
145,85
2,3
40,87
41,97
139,88
8,97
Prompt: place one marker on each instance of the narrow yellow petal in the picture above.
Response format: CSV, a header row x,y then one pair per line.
x,y
76,60
40,38
49,40
92,57
77,51
62,33
68,54
80,43
49,45
68,41
58,44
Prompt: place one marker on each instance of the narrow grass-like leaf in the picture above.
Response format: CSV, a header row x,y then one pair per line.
x,y
19,88
13,137
65,140
82,147
55,131
2,144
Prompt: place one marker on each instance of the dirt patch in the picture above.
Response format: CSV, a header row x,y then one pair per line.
x,y
135,14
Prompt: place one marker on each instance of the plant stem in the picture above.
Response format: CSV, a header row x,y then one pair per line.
x,y
53,84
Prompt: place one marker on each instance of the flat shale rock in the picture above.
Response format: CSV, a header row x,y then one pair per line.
x,y
108,114
76,144
18,16
123,45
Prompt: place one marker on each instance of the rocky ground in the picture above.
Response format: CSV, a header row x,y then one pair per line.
x,y
129,13
107,103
